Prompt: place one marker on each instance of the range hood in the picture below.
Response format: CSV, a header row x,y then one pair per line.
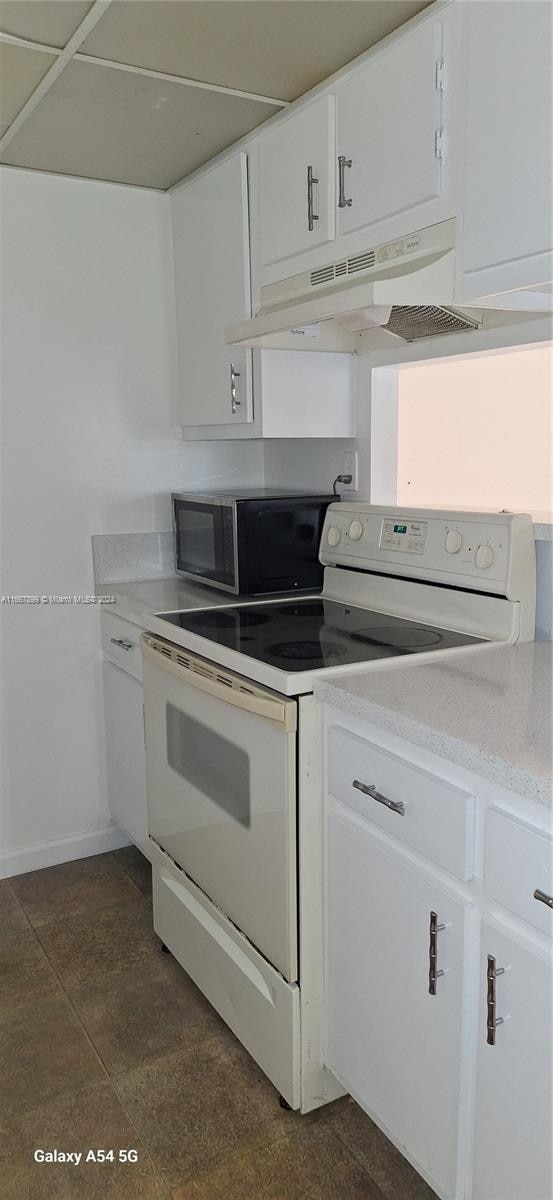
x,y
397,292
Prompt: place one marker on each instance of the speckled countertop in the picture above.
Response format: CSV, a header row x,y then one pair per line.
x,y
488,711
136,601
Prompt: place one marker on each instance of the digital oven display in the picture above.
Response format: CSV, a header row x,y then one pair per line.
x,y
409,537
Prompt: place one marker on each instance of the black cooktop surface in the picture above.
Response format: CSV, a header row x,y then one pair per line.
x,y
306,635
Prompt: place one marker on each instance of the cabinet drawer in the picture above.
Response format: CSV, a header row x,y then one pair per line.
x,y
426,812
121,640
519,861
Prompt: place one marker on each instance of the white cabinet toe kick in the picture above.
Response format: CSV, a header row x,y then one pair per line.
x,y
254,1000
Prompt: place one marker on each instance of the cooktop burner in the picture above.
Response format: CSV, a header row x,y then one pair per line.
x,y
305,635
298,651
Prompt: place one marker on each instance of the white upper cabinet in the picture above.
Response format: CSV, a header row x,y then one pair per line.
x,y
390,132
212,288
222,392
296,183
508,147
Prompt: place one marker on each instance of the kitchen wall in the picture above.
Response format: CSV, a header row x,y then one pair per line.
x,y
89,444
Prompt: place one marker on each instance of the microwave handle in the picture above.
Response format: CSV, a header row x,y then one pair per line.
x,y
221,684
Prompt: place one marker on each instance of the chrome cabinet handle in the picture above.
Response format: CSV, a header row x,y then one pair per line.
x,y
492,1021
369,789
123,643
312,216
234,401
343,162
545,899
433,973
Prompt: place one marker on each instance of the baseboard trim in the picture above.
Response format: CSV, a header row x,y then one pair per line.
x,y
50,854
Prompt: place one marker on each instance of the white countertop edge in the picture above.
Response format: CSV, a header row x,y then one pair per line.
x,y
480,762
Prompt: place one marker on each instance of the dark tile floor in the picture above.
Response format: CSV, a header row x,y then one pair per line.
x,y
106,1044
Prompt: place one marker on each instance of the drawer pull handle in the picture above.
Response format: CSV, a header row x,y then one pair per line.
x,y
492,1020
369,789
433,973
545,899
123,643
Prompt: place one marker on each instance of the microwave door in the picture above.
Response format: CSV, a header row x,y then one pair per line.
x,y
205,542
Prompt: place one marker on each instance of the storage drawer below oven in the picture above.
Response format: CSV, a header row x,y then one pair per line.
x,y
260,1007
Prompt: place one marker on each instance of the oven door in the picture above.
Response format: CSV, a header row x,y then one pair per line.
x,y
221,783
205,541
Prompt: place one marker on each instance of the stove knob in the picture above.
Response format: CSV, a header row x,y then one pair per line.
x,y
453,541
484,557
355,531
333,536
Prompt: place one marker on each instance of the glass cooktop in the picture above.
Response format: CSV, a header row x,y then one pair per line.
x,y
306,635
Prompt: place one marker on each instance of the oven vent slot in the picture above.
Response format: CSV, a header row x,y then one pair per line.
x,y
322,275
361,262
347,266
207,670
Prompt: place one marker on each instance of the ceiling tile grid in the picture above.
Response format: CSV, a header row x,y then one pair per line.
x,y
152,89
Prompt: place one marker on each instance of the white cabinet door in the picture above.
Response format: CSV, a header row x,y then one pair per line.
x,y
514,1116
125,760
393,1045
509,147
387,118
305,142
212,285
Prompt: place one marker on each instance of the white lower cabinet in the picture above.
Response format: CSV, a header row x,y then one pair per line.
x,y
460,1080
125,761
395,1037
514,1112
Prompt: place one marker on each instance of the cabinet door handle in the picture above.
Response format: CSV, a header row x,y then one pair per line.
x,y
492,1021
312,216
122,642
343,162
433,973
369,789
545,899
234,401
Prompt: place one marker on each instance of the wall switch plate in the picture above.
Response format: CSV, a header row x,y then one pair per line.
x,y
350,467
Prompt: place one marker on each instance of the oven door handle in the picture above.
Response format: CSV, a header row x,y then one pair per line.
x,y
221,684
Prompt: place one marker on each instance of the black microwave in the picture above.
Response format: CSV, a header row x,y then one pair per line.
x,y
250,542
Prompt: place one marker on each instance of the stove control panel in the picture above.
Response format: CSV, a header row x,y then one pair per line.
x,y
487,552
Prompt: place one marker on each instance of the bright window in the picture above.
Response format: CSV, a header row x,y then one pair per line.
x,y
472,432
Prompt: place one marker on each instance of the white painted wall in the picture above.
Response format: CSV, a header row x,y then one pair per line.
x,y
89,444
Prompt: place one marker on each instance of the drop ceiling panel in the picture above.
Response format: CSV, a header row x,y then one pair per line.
x,y
103,123
277,48
20,72
49,21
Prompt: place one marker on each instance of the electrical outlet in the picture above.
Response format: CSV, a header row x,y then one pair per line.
x,y
349,467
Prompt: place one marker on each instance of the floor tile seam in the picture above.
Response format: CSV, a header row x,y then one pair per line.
x,y
76,1092
76,1014
17,901
180,1050
117,1074
127,872
355,1155
99,908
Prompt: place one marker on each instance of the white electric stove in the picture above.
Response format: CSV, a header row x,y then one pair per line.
x,y
234,751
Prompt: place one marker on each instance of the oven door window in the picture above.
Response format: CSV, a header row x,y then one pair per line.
x,y
204,541
210,763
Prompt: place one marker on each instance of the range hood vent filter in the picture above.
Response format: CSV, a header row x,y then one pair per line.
x,y
414,321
